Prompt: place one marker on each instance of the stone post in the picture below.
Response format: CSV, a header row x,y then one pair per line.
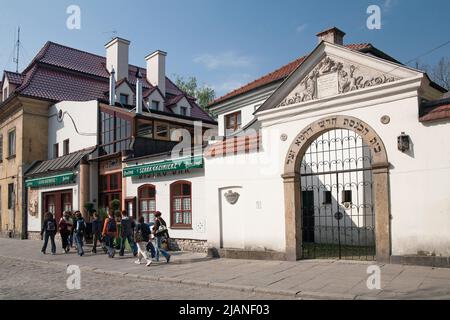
x,y
84,187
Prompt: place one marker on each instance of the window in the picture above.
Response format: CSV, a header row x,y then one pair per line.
x,y
110,188
12,143
115,132
123,98
147,202
145,129
11,196
55,150
162,131
183,111
66,147
181,204
155,105
1,148
232,122
5,94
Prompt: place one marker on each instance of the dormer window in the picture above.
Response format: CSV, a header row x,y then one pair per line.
x,y
183,111
123,98
155,105
5,94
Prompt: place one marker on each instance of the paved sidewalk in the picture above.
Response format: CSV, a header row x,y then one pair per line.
x,y
315,279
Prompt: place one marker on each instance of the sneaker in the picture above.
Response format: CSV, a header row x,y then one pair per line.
x,y
94,251
53,253
138,262
168,259
113,254
149,262
43,252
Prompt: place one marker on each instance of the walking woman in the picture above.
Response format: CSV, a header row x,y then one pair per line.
x,y
49,231
162,235
64,230
110,233
142,237
96,231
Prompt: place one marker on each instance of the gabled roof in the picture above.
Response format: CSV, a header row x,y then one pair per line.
x,y
65,163
282,73
14,77
60,73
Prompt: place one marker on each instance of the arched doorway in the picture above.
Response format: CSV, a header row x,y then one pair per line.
x,y
299,203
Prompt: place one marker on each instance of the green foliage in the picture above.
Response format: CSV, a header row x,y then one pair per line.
x,y
204,94
102,214
115,206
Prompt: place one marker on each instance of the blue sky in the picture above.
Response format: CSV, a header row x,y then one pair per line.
x,y
224,43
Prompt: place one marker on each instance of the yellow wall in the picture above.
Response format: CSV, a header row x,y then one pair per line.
x,y
29,118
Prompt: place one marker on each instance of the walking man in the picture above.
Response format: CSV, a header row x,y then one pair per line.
x,y
162,235
64,231
127,234
49,231
80,229
96,231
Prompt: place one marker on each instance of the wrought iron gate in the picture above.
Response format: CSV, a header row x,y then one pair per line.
x,y
338,219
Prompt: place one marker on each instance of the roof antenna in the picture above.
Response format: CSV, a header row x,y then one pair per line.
x,y
17,47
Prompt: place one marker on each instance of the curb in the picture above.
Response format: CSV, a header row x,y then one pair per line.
x,y
219,285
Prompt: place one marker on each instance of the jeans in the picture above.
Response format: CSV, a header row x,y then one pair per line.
x,y
142,252
71,239
97,238
131,242
158,249
150,247
65,240
109,244
50,235
79,242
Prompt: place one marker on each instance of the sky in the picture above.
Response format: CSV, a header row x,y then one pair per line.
x,y
224,43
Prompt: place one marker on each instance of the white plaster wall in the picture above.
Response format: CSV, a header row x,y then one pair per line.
x,y
84,115
419,181
162,185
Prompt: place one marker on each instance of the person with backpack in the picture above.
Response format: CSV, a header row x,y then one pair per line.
x,y
64,230
96,231
49,231
142,238
80,230
110,233
162,235
127,234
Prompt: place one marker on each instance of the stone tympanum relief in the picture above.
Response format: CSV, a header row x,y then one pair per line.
x,y
333,76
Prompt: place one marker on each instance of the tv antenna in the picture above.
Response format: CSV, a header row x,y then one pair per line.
x,y
17,49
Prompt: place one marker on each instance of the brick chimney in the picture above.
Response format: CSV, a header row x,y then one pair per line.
x,y
117,57
333,35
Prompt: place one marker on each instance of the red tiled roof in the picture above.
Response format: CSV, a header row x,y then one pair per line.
x,y
436,113
59,73
277,75
14,78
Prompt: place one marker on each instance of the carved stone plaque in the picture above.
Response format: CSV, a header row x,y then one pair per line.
x,y
327,85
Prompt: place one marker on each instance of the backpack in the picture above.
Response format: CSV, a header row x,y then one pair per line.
x,y
111,226
51,225
81,226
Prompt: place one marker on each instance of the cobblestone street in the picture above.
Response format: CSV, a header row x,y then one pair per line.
x,y
27,274
30,280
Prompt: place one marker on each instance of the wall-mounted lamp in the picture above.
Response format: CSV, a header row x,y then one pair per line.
x,y
403,142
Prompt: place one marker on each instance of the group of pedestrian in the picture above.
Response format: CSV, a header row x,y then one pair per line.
x,y
145,239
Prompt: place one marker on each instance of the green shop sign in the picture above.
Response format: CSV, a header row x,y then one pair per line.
x,y
50,181
164,166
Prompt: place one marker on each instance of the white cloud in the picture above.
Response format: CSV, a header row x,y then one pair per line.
x,y
301,28
229,59
231,83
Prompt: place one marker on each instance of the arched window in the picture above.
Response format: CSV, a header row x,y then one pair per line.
x,y
181,204
147,202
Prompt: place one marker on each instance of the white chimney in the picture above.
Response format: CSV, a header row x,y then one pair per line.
x,y
117,57
156,70
138,92
333,35
112,87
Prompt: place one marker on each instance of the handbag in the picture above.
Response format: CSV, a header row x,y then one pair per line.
x,y
162,228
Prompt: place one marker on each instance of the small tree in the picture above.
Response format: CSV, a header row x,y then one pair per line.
x,y
204,94
115,206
